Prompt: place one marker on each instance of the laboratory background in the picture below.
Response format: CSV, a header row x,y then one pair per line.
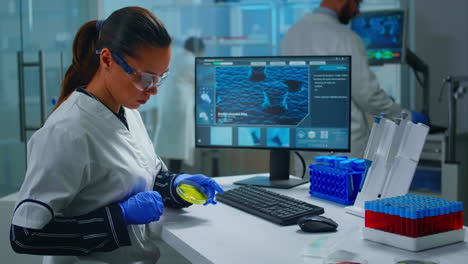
x,y
35,51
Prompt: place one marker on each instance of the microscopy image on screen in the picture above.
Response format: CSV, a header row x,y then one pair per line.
x,y
249,136
379,32
221,136
278,137
204,115
272,95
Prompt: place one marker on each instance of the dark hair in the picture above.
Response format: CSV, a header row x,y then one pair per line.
x,y
123,32
194,45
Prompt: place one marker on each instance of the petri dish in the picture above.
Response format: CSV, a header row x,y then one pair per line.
x,y
191,192
416,260
344,257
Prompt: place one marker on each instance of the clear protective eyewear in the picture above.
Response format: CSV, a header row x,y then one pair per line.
x,y
143,80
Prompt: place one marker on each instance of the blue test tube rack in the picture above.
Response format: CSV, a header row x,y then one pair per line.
x,y
336,178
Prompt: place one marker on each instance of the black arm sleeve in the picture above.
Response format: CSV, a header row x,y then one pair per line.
x,y
164,186
101,230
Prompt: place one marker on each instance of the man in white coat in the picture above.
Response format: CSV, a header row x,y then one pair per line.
x,y
323,32
174,138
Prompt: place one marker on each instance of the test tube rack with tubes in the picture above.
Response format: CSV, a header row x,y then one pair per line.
x,y
336,178
394,148
414,222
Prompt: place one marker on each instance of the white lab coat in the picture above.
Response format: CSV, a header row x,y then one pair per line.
x,y
323,34
174,137
82,159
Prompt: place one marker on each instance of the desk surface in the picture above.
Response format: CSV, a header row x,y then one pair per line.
x,y
223,234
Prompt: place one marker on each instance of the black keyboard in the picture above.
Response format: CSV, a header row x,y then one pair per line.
x,y
268,205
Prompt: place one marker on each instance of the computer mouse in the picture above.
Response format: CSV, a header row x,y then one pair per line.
x,y
317,223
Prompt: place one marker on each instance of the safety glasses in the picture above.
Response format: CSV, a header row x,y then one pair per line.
x,y
143,80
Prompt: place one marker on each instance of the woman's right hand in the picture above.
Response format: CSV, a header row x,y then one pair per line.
x,y
142,208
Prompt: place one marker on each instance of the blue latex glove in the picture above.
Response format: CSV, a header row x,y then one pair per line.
x,y
142,208
418,117
210,185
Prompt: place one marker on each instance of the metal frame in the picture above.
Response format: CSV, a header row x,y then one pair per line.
x,y
24,128
453,94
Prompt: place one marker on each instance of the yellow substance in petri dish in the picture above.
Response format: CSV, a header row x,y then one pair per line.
x,y
191,194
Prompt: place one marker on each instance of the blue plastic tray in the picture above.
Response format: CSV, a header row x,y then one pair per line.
x,y
336,178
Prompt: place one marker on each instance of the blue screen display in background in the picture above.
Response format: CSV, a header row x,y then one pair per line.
x,y
383,35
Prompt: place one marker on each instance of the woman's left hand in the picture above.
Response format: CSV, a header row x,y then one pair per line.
x,y
210,185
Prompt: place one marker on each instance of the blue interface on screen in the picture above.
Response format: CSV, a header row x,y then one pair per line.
x,y
382,33
273,102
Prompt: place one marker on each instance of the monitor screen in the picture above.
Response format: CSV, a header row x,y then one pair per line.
x,y
383,35
278,103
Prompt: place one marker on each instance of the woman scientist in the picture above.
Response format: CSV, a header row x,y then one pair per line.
x,y
93,183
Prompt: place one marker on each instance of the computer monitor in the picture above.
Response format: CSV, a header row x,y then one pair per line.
x,y
383,33
277,103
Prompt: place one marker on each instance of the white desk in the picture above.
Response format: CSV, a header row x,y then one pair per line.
x,y
223,234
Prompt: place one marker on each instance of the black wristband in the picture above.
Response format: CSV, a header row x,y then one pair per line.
x,y
164,185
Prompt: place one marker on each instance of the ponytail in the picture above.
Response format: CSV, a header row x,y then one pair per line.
x,y
85,62
122,32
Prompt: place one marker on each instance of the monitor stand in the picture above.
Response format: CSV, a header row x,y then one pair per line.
x,y
279,173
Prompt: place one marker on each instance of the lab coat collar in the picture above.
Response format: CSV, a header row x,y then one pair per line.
x,y
323,18
185,52
326,11
97,109
120,115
